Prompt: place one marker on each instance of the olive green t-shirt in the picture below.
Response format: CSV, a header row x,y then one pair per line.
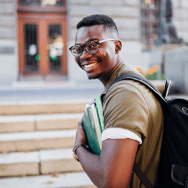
x,y
129,105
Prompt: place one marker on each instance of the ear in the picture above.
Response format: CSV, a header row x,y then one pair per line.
x,y
118,46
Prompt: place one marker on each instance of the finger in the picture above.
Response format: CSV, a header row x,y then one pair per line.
x,y
80,122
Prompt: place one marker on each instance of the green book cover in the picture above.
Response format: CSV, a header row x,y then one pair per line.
x,y
96,123
92,119
100,111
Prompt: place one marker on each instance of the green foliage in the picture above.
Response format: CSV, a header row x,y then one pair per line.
x,y
155,76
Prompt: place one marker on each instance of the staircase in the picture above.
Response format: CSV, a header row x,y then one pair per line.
x,y
36,142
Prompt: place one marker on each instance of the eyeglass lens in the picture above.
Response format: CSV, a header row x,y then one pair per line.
x,y
91,47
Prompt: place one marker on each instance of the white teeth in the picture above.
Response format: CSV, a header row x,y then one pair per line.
x,y
87,66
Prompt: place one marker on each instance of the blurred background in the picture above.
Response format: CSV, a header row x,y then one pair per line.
x,y
35,36
43,91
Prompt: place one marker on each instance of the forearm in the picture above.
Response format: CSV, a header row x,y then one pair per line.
x,y
91,164
112,168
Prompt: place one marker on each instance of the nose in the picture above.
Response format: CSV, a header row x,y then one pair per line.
x,y
85,54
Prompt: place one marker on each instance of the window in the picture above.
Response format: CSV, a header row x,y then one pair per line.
x,y
55,47
42,2
31,48
150,23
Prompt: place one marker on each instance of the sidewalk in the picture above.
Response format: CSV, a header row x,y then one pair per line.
x,y
74,180
49,92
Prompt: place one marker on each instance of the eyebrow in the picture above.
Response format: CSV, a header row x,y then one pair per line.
x,y
94,39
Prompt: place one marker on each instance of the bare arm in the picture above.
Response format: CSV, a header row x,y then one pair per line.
x,y
113,167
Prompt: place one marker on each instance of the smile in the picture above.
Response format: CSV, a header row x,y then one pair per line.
x,y
89,66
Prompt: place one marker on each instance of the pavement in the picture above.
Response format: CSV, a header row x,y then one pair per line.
x,y
69,180
34,92
50,92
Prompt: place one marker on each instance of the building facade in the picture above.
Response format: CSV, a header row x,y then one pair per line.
x,y
35,34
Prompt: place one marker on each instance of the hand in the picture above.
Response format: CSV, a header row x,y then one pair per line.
x,y
80,135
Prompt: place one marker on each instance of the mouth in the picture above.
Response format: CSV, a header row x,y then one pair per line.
x,y
89,67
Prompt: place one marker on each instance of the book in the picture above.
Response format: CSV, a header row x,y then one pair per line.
x,y
100,112
93,125
96,124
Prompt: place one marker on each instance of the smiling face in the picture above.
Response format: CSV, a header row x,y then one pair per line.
x,y
104,62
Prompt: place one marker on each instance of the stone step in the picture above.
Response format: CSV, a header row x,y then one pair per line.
x,y
66,180
33,141
38,162
41,108
41,122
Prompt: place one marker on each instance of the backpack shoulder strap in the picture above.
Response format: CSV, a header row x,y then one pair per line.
x,y
142,176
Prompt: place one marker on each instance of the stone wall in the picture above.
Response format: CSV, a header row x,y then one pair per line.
x,y
180,17
176,68
126,14
7,19
8,42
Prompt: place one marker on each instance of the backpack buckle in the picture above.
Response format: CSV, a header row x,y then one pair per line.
x,y
167,88
185,109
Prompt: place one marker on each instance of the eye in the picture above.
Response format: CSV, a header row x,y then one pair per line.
x,y
91,45
77,49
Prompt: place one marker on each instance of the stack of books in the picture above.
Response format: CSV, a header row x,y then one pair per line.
x,y
93,124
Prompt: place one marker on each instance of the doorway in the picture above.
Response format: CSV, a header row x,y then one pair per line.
x,y
42,39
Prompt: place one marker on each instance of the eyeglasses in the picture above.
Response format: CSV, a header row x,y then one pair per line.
x,y
92,47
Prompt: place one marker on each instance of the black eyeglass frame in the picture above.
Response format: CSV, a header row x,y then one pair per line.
x,y
83,47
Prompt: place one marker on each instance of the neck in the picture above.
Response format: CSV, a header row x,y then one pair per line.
x,y
103,80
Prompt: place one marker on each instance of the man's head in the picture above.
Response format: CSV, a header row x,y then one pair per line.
x,y
100,19
97,48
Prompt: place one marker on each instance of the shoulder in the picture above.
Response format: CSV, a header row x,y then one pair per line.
x,y
127,90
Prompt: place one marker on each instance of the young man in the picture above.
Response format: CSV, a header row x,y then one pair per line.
x,y
133,117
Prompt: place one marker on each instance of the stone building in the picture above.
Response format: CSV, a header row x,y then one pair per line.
x,y
35,34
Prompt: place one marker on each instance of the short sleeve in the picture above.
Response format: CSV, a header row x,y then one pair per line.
x,y
125,107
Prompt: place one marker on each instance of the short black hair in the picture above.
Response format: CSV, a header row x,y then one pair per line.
x,y
99,19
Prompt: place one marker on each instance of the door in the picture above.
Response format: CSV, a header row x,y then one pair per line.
x,y
42,41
